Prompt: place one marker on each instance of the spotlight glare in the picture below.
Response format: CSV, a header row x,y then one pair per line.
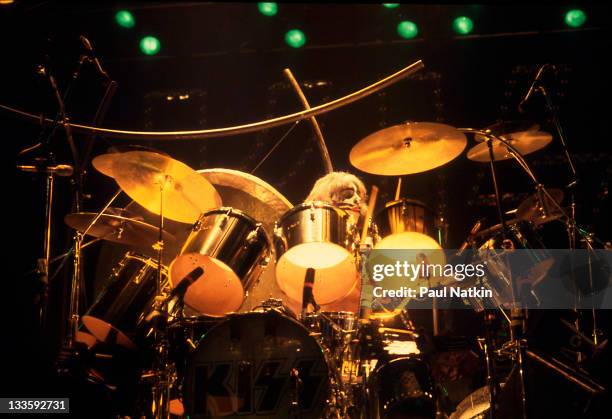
x,y
407,29
575,18
391,5
150,45
125,19
268,9
295,38
463,25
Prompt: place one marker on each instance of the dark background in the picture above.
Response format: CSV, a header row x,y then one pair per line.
x,y
229,59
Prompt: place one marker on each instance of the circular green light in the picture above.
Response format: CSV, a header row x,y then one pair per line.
x,y
463,25
295,38
125,19
407,29
149,45
575,18
390,5
267,9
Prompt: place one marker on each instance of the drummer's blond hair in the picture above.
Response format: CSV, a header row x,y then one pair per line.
x,y
332,183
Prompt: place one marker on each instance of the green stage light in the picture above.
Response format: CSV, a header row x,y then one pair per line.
x,y
390,5
575,18
463,25
267,9
295,38
150,45
125,19
407,29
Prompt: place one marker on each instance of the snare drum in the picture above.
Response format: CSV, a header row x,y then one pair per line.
x,y
320,236
263,365
232,249
118,314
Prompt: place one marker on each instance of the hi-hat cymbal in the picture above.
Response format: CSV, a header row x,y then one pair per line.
x,y
409,148
117,225
524,141
531,210
143,175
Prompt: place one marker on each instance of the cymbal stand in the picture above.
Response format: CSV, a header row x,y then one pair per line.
x,y
163,369
75,289
572,230
517,316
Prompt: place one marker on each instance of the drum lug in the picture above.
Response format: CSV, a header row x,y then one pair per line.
x,y
197,225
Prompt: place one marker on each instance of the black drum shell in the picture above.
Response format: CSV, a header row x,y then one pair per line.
x,y
126,301
406,215
254,353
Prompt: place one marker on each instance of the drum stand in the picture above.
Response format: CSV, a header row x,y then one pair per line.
x,y
75,289
163,369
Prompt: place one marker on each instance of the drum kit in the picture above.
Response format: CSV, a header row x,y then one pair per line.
x,y
216,352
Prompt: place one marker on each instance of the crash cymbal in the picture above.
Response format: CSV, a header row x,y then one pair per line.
x,y
143,174
524,141
117,225
104,162
409,148
504,128
531,210
249,194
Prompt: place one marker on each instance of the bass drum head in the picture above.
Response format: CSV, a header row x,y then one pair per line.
x,y
243,368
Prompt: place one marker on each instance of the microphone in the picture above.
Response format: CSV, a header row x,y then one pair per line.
x,y
307,296
533,86
59,170
469,238
87,44
181,288
178,292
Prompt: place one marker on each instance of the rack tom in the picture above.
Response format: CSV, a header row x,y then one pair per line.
x,y
232,249
319,236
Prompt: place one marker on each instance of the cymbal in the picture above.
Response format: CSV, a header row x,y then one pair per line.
x,y
409,148
249,194
143,174
104,162
531,210
504,128
524,141
117,225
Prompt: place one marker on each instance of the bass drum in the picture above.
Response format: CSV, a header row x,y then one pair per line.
x,y
257,365
402,389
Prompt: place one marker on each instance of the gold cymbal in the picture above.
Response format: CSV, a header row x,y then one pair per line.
x,y
409,148
530,209
143,175
524,141
119,226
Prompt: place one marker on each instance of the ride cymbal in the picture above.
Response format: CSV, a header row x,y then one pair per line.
x,y
409,148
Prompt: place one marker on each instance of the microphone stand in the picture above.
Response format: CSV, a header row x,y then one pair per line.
x,y
571,220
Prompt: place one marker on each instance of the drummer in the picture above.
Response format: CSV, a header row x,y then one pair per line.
x,y
346,191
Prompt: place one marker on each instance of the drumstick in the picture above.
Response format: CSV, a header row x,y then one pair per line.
x,y
371,205
398,190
